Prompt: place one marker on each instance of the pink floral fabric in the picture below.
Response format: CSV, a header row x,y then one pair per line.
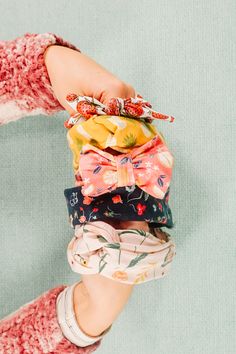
x,y
128,256
148,166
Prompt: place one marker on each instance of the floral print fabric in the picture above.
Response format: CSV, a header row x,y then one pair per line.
x,y
148,166
122,124
121,134
128,256
132,185
124,203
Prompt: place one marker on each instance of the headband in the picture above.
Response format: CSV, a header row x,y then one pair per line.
x,y
128,256
129,107
148,166
124,203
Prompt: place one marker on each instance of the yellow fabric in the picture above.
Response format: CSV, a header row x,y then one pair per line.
x,y
117,132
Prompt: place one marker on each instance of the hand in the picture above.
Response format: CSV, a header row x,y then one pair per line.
x,y
73,72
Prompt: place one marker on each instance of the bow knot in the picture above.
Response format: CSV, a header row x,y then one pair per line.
x,y
149,167
125,170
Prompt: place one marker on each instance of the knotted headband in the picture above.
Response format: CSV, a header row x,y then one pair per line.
x,y
129,107
128,256
124,203
148,166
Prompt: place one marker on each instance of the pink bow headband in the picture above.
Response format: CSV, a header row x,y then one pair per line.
x,y
130,107
148,166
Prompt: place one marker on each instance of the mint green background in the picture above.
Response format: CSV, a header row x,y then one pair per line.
x,y
180,55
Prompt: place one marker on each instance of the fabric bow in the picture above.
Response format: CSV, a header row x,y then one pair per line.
x,y
148,166
130,107
128,256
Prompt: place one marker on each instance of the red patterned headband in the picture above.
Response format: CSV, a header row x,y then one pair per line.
x,y
87,107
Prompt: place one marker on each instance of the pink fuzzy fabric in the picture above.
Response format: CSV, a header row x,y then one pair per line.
x,y
33,329
25,88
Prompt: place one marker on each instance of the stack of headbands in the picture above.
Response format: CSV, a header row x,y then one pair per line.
x,y
123,170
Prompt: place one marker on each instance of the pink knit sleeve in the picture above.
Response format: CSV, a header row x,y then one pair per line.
x,y
25,88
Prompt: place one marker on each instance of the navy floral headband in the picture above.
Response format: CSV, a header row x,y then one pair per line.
x,y
124,203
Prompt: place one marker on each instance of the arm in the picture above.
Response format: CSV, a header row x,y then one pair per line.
x,y
98,301
72,71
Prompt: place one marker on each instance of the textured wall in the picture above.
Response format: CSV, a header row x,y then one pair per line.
x,y
179,55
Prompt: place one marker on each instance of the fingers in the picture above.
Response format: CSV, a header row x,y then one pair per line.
x,y
116,89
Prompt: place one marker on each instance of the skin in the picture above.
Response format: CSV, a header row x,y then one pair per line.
x,y
72,71
97,300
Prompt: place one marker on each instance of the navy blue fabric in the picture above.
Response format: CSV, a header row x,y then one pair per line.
x,y
125,203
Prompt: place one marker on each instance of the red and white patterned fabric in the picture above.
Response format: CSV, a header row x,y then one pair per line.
x,y
132,107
